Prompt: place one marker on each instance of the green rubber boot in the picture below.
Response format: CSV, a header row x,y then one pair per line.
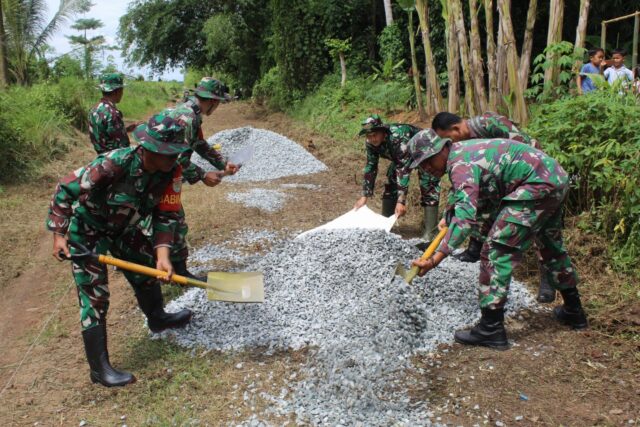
x,y
430,223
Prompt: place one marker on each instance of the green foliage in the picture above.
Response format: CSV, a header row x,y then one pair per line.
x,y
596,138
561,55
271,92
391,44
389,71
67,66
337,46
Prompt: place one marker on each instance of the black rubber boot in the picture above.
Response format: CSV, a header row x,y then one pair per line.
x,y
151,303
101,371
180,268
488,332
571,312
388,206
546,293
472,253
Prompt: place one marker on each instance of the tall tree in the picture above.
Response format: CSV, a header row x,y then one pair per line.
x,y
4,77
581,30
422,7
518,108
388,12
491,55
453,59
476,57
463,46
554,35
88,44
409,7
527,45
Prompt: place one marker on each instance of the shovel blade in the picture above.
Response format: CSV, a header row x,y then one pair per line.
x,y
235,287
407,276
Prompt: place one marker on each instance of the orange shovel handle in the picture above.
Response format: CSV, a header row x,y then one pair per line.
x,y
148,271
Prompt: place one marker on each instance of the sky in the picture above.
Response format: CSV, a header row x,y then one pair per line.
x,y
109,12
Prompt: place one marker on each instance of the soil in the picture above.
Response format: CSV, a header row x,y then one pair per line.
x,y
551,376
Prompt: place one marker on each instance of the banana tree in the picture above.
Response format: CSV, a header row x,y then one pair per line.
x,y
453,59
409,6
422,7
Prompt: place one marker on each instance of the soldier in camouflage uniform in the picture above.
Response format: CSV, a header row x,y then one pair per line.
x,y
99,206
106,127
522,191
390,142
207,97
488,125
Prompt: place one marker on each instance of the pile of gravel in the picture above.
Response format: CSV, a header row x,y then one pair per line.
x,y
275,156
334,292
266,200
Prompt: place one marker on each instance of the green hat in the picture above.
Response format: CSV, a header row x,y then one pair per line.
x,y
423,145
372,124
111,81
212,89
161,134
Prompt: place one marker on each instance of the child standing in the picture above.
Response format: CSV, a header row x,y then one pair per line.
x,y
594,66
618,71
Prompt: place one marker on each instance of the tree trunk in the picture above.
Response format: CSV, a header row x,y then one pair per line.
x,y
518,108
461,35
453,65
501,64
343,69
476,57
491,56
414,69
4,77
527,45
388,12
581,30
433,88
554,35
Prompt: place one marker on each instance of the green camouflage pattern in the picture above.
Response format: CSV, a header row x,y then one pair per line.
x,y
493,125
371,124
211,88
394,148
106,127
162,135
423,145
520,191
111,81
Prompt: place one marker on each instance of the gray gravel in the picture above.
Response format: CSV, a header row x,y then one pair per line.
x,y
275,156
333,291
266,200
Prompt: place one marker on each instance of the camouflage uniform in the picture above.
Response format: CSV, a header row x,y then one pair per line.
x,y
522,191
106,127
394,148
493,125
99,206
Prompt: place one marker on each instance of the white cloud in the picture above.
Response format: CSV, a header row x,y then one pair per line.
x,y
109,12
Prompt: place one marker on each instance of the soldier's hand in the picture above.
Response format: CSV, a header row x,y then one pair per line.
x,y
164,263
442,224
360,203
424,265
211,179
231,169
132,126
400,210
60,245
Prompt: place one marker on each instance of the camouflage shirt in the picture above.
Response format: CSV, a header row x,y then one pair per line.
x,y
486,173
112,193
393,148
492,125
188,114
106,127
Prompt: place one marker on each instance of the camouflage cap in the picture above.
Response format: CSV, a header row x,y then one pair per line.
x,y
423,145
161,134
212,89
111,81
372,124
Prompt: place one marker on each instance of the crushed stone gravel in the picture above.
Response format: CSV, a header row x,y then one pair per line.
x,y
261,198
275,156
334,293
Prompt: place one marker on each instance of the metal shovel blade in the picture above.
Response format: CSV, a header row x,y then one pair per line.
x,y
407,276
235,287
242,156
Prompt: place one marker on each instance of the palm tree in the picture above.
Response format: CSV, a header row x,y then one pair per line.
x,y
27,30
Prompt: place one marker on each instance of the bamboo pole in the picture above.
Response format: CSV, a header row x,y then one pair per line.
x,y
620,18
636,32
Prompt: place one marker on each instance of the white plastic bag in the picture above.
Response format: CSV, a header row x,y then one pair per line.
x,y
363,218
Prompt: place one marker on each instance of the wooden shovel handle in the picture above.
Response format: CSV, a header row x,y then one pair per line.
x,y
148,271
428,253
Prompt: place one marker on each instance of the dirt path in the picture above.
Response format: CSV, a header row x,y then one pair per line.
x,y
563,375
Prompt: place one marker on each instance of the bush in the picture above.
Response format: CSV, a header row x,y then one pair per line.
x,y
596,138
270,91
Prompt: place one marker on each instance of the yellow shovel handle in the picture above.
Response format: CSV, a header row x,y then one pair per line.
x,y
428,253
148,271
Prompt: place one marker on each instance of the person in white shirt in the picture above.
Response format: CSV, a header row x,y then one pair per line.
x,y
618,71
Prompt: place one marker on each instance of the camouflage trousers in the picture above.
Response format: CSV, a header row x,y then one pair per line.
x,y
429,186
518,224
91,277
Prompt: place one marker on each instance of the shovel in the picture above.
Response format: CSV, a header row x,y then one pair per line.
x,y
230,287
408,276
242,156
